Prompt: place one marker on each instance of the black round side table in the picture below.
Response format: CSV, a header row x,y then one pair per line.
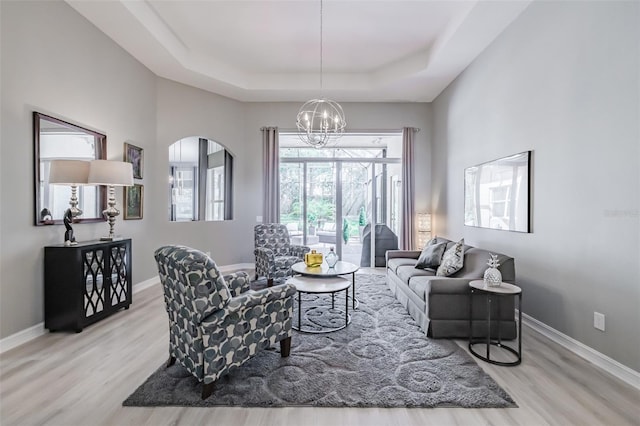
x,y
494,294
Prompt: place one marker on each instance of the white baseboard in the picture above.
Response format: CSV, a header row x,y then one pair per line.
x,y
145,284
24,336
28,334
601,360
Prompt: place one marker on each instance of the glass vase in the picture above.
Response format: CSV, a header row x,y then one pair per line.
x,y
331,258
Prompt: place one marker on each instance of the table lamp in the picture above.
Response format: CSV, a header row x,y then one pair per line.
x,y
111,174
70,173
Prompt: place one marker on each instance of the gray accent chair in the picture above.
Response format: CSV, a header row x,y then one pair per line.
x,y
216,323
274,252
440,305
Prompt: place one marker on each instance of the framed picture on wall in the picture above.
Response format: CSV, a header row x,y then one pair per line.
x,y
134,155
133,201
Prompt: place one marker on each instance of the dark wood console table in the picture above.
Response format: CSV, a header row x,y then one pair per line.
x,y
85,283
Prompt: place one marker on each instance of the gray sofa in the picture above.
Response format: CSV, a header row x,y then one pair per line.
x,y
440,305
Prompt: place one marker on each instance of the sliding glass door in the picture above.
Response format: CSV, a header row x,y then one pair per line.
x,y
329,197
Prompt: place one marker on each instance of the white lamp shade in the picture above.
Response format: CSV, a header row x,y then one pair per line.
x,y
113,173
69,172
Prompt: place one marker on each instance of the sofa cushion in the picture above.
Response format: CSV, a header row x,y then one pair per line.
x,y
407,272
431,256
419,286
452,261
393,263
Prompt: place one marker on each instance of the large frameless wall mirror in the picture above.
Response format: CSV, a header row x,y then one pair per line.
x,y
200,180
55,139
496,194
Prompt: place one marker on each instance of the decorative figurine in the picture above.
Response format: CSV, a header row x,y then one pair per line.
x,y
45,215
69,239
493,276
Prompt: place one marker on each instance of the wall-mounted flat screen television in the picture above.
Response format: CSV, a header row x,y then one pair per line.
x,y
496,194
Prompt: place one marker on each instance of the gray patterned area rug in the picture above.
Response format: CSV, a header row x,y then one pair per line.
x,y
382,359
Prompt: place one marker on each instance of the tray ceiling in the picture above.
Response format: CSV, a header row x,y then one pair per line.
x,y
406,51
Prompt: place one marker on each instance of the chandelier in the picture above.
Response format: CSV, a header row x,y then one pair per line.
x,y
320,121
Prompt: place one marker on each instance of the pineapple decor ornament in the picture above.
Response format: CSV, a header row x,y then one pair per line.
x,y
492,276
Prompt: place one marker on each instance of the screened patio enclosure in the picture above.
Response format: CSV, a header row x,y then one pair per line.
x,y
328,195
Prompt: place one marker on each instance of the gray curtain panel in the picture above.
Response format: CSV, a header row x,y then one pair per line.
x,y
408,188
271,168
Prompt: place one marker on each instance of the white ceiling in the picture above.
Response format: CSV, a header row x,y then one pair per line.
x,y
267,50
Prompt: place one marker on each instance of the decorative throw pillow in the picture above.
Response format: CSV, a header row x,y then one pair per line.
x,y
452,261
431,242
431,255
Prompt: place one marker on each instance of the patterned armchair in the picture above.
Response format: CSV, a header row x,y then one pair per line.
x,y
274,252
216,323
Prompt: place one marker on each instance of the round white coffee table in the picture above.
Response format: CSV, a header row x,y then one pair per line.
x,y
325,285
478,287
323,271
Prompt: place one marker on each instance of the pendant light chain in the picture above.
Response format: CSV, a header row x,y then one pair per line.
x,y
320,45
320,121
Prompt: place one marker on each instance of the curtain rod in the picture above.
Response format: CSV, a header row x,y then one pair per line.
x,y
355,131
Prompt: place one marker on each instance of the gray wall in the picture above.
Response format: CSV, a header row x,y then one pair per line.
x,y
56,62
563,81
186,111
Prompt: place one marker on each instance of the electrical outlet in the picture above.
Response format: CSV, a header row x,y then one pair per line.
x,y
259,219
598,321
208,253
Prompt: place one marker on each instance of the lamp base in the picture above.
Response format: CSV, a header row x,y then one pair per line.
x,y
110,214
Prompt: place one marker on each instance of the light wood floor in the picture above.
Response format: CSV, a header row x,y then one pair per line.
x,y
82,379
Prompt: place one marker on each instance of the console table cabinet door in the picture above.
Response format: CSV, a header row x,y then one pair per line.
x,y
86,283
94,292
120,276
